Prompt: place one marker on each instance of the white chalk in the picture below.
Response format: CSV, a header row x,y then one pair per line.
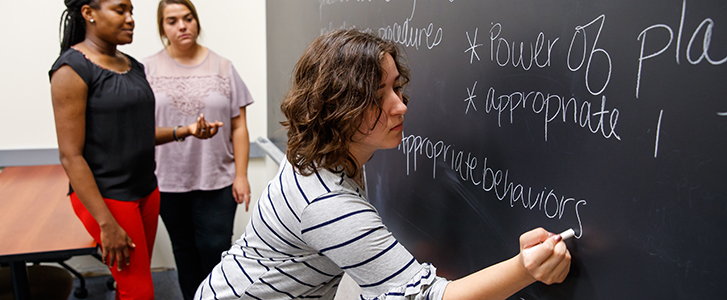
x,y
563,235
567,234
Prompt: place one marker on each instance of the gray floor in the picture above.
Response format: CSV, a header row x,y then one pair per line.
x,y
166,287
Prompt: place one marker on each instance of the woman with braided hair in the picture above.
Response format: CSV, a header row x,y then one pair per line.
x,y
104,116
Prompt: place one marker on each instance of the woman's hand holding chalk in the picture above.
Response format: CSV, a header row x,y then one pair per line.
x,y
567,234
563,235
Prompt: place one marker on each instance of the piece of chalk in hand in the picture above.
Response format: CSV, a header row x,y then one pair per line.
x,y
568,234
563,235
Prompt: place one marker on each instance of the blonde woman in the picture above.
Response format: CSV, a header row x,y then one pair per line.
x,y
201,182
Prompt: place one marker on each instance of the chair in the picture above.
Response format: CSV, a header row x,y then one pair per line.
x,y
46,282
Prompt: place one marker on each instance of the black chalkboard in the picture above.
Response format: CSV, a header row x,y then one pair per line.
x,y
609,117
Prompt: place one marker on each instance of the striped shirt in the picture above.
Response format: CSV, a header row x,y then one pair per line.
x,y
304,232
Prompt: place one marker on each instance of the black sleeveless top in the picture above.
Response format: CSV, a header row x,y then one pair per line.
x,y
119,145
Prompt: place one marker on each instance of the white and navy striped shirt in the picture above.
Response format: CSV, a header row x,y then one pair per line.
x,y
304,232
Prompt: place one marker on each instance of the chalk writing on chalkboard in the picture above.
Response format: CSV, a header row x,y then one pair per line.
x,y
499,182
598,119
707,25
502,53
605,116
406,34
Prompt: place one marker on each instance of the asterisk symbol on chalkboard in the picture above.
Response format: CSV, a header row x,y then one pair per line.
x,y
473,45
470,99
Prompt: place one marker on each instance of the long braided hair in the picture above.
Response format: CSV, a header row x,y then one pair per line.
x,y
72,29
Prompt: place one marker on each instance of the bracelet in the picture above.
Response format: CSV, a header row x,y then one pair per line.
x,y
174,134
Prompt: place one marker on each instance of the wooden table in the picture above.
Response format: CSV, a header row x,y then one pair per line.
x,y
37,222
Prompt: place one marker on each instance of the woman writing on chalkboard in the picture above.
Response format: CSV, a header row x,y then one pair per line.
x,y
313,222
104,116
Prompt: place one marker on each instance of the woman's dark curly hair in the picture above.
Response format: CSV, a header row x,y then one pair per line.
x,y
334,83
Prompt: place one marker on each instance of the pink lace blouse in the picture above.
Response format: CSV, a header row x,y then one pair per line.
x,y
182,92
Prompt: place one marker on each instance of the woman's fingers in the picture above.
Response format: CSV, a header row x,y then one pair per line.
x,y
118,258
545,256
534,237
201,126
563,267
127,258
103,254
555,268
202,129
109,261
247,203
236,195
214,128
127,255
115,244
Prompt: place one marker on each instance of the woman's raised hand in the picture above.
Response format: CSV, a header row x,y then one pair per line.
x,y
549,262
203,129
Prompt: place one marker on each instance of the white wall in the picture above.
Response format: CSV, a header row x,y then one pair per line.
x,y
234,29
29,48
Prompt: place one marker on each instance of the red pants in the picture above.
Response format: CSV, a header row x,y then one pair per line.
x,y
139,219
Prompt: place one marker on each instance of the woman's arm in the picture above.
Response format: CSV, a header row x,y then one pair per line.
x,y
241,149
69,93
549,263
200,129
334,221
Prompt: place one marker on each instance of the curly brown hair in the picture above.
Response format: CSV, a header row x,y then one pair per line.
x,y
334,83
